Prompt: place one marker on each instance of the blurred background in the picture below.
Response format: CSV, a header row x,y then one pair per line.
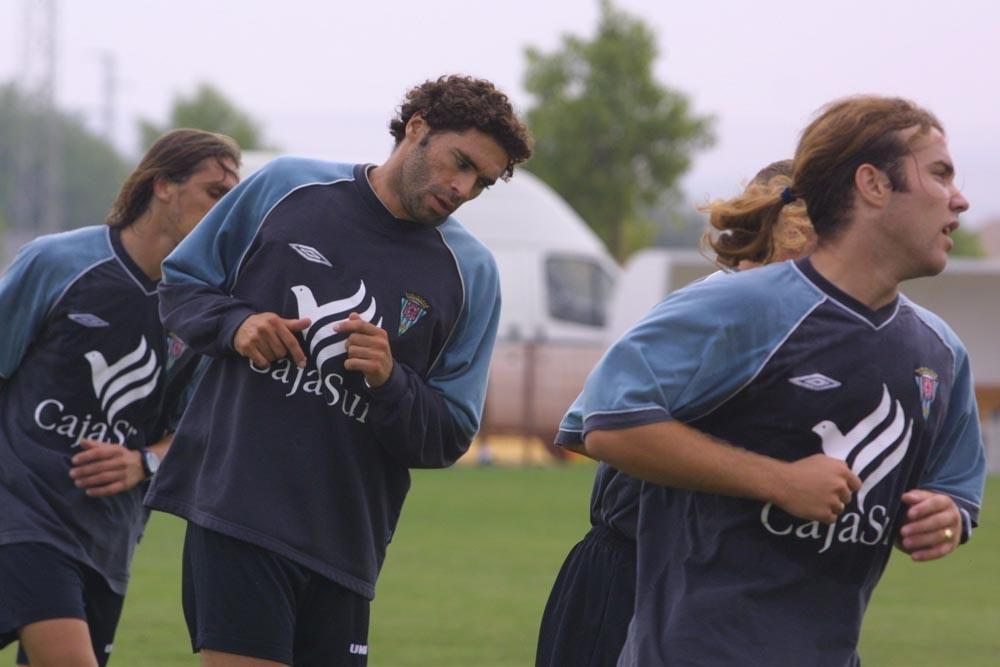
x,y
641,110
728,85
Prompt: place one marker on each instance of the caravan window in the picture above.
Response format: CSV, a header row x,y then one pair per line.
x,y
578,290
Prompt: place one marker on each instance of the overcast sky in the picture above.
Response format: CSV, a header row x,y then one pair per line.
x,y
323,76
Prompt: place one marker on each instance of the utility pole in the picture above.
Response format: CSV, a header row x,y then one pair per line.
x,y
109,92
38,167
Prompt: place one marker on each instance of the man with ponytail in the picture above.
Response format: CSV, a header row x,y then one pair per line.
x,y
87,381
588,611
720,395
743,242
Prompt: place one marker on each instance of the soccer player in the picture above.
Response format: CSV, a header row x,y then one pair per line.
x,y
84,364
723,389
352,320
589,608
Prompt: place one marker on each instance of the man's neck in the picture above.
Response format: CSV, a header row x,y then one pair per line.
x,y
147,245
381,178
857,271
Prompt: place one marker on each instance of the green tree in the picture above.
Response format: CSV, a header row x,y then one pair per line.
x,y
90,169
207,109
610,138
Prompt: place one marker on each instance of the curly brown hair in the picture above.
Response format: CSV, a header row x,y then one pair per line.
x,y
457,103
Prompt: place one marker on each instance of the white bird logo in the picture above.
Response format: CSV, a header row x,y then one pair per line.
x,y
109,381
841,445
308,307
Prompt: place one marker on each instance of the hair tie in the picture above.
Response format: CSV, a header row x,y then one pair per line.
x,y
788,196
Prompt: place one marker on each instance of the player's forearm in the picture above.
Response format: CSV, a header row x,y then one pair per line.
x,y
413,423
205,318
673,454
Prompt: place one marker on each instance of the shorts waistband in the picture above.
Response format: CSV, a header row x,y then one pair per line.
x,y
603,532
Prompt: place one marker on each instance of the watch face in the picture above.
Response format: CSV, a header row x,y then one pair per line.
x,y
152,462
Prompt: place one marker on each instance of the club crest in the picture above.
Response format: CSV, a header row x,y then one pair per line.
x,y
927,383
412,308
175,349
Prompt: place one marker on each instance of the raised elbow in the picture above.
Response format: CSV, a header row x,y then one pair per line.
x,y
600,444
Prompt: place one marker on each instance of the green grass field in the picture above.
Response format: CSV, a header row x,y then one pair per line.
x,y
477,551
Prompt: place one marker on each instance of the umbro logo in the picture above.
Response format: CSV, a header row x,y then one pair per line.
x,y
814,382
311,254
88,320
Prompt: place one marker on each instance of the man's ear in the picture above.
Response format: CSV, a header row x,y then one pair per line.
x,y
163,188
416,128
873,185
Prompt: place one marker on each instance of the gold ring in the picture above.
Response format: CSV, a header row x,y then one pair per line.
x,y
948,534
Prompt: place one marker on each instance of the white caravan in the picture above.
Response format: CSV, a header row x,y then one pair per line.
x,y
557,281
649,276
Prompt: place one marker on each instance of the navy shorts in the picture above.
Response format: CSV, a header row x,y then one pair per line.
x,y
591,604
40,583
243,599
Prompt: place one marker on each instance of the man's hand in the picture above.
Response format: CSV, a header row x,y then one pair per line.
x,y
267,337
933,525
367,349
104,469
817,488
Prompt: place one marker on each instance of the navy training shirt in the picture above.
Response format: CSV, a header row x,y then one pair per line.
x,y
614,497
781,362
82,355
311,463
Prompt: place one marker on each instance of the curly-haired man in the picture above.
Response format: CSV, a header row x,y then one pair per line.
x,y
351,320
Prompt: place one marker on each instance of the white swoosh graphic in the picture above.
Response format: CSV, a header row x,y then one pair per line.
x,y
882,442
131,377
884,468
102,372
840,447
132,396
309,308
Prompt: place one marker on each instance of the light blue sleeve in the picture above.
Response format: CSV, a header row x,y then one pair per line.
x,y
461,373
696,349
198,276
39,276
571,427
430,423
957,463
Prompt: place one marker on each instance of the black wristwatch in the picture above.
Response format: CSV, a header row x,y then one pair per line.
x,y
150,462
